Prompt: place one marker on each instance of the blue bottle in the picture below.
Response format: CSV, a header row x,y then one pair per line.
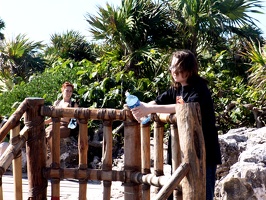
x,y
132,102
72,124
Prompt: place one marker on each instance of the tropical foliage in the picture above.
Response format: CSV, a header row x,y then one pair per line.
x,y
131,52
208,24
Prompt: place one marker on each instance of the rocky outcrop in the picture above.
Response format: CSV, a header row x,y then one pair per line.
x,y
242,175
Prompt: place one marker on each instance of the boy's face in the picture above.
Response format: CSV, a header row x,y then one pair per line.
x,y
180,77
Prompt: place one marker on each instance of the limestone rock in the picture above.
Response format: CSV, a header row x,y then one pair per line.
x,y
244,154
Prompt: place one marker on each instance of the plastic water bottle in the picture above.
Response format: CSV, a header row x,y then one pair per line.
x,y
72,124
132,102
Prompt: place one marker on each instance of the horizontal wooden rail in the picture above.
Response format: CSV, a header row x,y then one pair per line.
x,y
13,120
101,114
163,180
112,175
90,174
85,113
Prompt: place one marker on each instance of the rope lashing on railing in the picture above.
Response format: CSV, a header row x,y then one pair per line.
x,y
34,123
82,112
101,113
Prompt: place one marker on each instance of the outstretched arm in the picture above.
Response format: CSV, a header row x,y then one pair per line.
x,y
147,108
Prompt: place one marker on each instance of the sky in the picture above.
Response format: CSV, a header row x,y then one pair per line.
x,y
38,20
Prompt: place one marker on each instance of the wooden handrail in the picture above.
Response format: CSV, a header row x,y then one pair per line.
x,y
13,120
186,135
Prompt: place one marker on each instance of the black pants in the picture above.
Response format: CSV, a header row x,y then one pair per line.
x,y
210,174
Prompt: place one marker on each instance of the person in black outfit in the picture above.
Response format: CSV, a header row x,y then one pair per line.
x,y
187,86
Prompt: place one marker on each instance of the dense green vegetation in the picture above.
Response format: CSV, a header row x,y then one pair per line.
x,y
131,52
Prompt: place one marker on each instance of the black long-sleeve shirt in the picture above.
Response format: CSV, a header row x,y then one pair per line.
x,y
198,92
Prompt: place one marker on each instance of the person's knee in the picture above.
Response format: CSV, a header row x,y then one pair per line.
x,y
64,132
48,132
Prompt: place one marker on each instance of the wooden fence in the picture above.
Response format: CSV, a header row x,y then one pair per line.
x,y
188,153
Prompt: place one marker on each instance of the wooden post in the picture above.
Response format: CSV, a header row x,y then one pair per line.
x,y
145,157
176,156
132,160
192,150
158,149
17,166
1,188
83,146
107,156
55,153
36,149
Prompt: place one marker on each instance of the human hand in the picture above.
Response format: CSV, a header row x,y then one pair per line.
x,y
141,111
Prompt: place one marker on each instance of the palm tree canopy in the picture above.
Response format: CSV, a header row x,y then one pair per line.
x,y
21,58
70,45
208,21
140,29
133,25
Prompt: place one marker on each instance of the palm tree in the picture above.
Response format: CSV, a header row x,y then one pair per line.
x,y
20,58
140,29
207,24
69,45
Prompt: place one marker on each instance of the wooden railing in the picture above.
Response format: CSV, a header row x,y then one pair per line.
x,y
188,152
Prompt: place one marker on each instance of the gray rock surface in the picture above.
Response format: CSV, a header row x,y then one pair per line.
x,y
242,175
